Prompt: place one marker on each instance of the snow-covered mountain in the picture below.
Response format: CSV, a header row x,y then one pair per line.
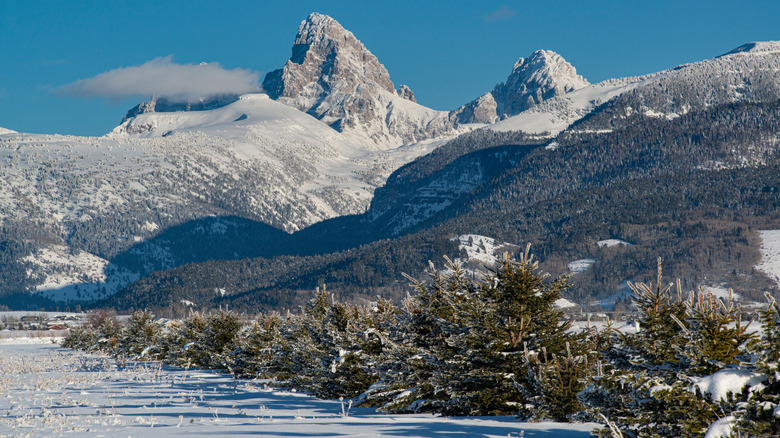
x,y
544,75
335,78
749,73
254,158
275,161
328,133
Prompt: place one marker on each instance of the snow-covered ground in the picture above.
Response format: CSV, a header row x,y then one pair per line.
x,y
50,391
581,265
482,250
609,243
721,292
77,276
770,254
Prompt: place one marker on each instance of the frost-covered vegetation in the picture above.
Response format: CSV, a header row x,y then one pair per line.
x,y
491,345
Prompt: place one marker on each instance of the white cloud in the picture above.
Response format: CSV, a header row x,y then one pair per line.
x,y
163,77
501,14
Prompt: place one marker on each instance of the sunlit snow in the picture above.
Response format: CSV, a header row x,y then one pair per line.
x,y
48,392
608,243
579,266
728,381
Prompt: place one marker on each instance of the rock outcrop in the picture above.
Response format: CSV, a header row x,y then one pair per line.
x,y
543,75
165,105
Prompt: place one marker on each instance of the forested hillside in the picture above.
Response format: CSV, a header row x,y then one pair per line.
x,y
693,190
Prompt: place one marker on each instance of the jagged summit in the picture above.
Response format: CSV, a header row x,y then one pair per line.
x,y
543,75
332,76
325,54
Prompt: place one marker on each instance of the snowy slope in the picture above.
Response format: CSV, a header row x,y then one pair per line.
x,y
4,131
481,251
558,113
254,158
76,276
271,154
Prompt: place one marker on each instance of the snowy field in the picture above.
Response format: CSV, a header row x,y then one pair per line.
x,y
49,391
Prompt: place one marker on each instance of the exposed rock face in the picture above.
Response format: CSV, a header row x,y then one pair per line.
x,y
326,58
545,74
481,110
333,77
164,105
406,93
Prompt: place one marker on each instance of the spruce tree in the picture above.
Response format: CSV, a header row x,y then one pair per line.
x,y
759,416
256,345
140,338
415,373
472,346
647,385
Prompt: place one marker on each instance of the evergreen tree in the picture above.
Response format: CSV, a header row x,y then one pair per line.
x,y
256,345
758,416
220,340
474,346
426,337
646,388
140,338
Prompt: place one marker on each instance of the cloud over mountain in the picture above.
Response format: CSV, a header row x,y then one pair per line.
x,y
162,77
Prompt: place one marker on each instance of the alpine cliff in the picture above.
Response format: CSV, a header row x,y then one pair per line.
x,y
333,77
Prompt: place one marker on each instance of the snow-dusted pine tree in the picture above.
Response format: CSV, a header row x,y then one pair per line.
x,y
759,416
484,346
140,338
648,383
256,343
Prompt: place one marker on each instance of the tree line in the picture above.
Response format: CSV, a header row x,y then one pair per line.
x,y
495,344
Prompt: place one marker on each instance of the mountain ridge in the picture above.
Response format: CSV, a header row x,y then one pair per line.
x,y
261,159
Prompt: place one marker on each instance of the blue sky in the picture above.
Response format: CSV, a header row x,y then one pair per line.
x,y
448,52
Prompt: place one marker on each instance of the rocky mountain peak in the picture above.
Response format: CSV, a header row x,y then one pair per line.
x,y
407,93
541,76
326,59
332,76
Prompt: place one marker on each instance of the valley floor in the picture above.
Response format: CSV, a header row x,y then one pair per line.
x,y
50,391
